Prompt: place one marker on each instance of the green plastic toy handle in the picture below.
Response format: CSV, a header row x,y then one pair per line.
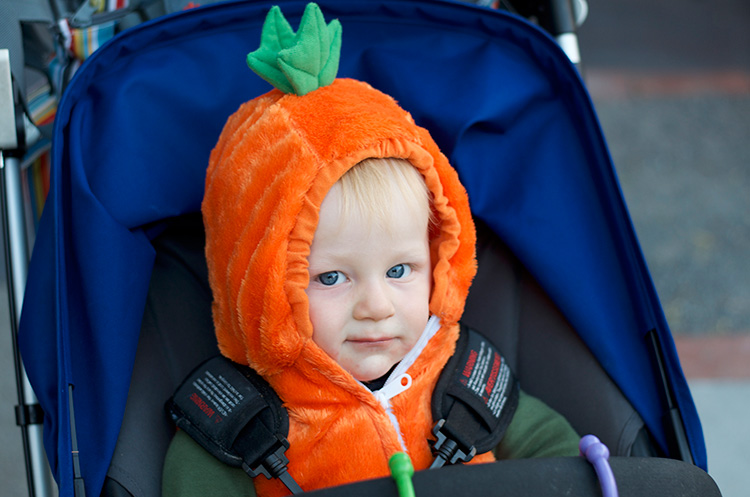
x,y
402,471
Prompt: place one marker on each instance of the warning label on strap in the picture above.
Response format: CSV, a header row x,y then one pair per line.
x,y
486,374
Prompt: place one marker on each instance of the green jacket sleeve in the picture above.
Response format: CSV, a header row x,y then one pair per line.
x,y
191,471
537,430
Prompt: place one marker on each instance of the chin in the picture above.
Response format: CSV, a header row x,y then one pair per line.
x,y
371,374
367,377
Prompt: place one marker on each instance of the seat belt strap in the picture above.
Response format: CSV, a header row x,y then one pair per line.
x,y
474,400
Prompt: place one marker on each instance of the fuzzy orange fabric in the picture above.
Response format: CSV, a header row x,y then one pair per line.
x,y
275,161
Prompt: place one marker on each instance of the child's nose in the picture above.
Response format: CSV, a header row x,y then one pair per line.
x,y
374,303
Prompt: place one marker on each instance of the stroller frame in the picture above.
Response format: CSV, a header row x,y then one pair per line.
x,y
28,414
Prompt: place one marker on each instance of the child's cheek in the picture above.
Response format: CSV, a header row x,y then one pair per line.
x,y
326,317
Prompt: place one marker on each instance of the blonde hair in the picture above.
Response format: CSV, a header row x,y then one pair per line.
x,y
369,188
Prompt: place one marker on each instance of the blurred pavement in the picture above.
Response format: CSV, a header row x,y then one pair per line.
x,y
671,84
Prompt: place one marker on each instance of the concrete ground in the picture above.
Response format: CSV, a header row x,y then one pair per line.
x,y
671,84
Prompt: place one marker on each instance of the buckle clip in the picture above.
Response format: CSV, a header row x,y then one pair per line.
x,y
273,464
448,450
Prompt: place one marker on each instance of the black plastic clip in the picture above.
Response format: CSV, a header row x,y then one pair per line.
x,y
29,414
448,450
275,466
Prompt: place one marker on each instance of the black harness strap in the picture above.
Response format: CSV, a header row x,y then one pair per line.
x,y
236,416
474,400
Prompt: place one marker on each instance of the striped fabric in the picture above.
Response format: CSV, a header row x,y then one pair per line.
x,y
42,102
84,41
35,182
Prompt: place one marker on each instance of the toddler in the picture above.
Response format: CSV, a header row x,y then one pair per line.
x,y
340,248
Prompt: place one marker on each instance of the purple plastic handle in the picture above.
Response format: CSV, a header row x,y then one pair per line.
x,y
598,455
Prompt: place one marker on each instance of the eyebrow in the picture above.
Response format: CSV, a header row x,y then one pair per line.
x,y
405,255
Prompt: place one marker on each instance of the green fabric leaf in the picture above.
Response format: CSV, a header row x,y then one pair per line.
x,y
298,62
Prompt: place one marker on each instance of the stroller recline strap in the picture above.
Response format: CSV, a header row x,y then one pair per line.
x,y
236,416
473,401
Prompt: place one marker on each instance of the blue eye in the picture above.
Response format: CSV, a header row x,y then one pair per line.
x,y
399,271
331,278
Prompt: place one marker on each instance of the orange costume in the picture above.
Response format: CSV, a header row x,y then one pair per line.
x,y
274,163
276,159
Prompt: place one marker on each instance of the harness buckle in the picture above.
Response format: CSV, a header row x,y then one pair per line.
x,y
270,466
448,450
274,465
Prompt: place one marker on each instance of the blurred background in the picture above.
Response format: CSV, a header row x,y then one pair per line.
x,y
670,80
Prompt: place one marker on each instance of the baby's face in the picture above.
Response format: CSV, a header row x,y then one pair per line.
x,y
369,287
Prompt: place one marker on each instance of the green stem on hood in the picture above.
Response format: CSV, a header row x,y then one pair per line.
x,y
298,62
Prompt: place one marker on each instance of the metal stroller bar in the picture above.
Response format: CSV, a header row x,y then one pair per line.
x,y
559,18
12,142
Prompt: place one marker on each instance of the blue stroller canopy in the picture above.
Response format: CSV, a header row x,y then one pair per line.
x,y
131,144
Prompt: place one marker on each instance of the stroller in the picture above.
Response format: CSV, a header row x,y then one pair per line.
x,y
117,308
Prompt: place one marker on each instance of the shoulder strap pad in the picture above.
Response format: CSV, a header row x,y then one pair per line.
x,y
235,415
474,399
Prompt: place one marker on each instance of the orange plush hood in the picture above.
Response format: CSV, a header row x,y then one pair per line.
x,y
275,161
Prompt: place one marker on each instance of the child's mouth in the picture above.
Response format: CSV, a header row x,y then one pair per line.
x,y
374,341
